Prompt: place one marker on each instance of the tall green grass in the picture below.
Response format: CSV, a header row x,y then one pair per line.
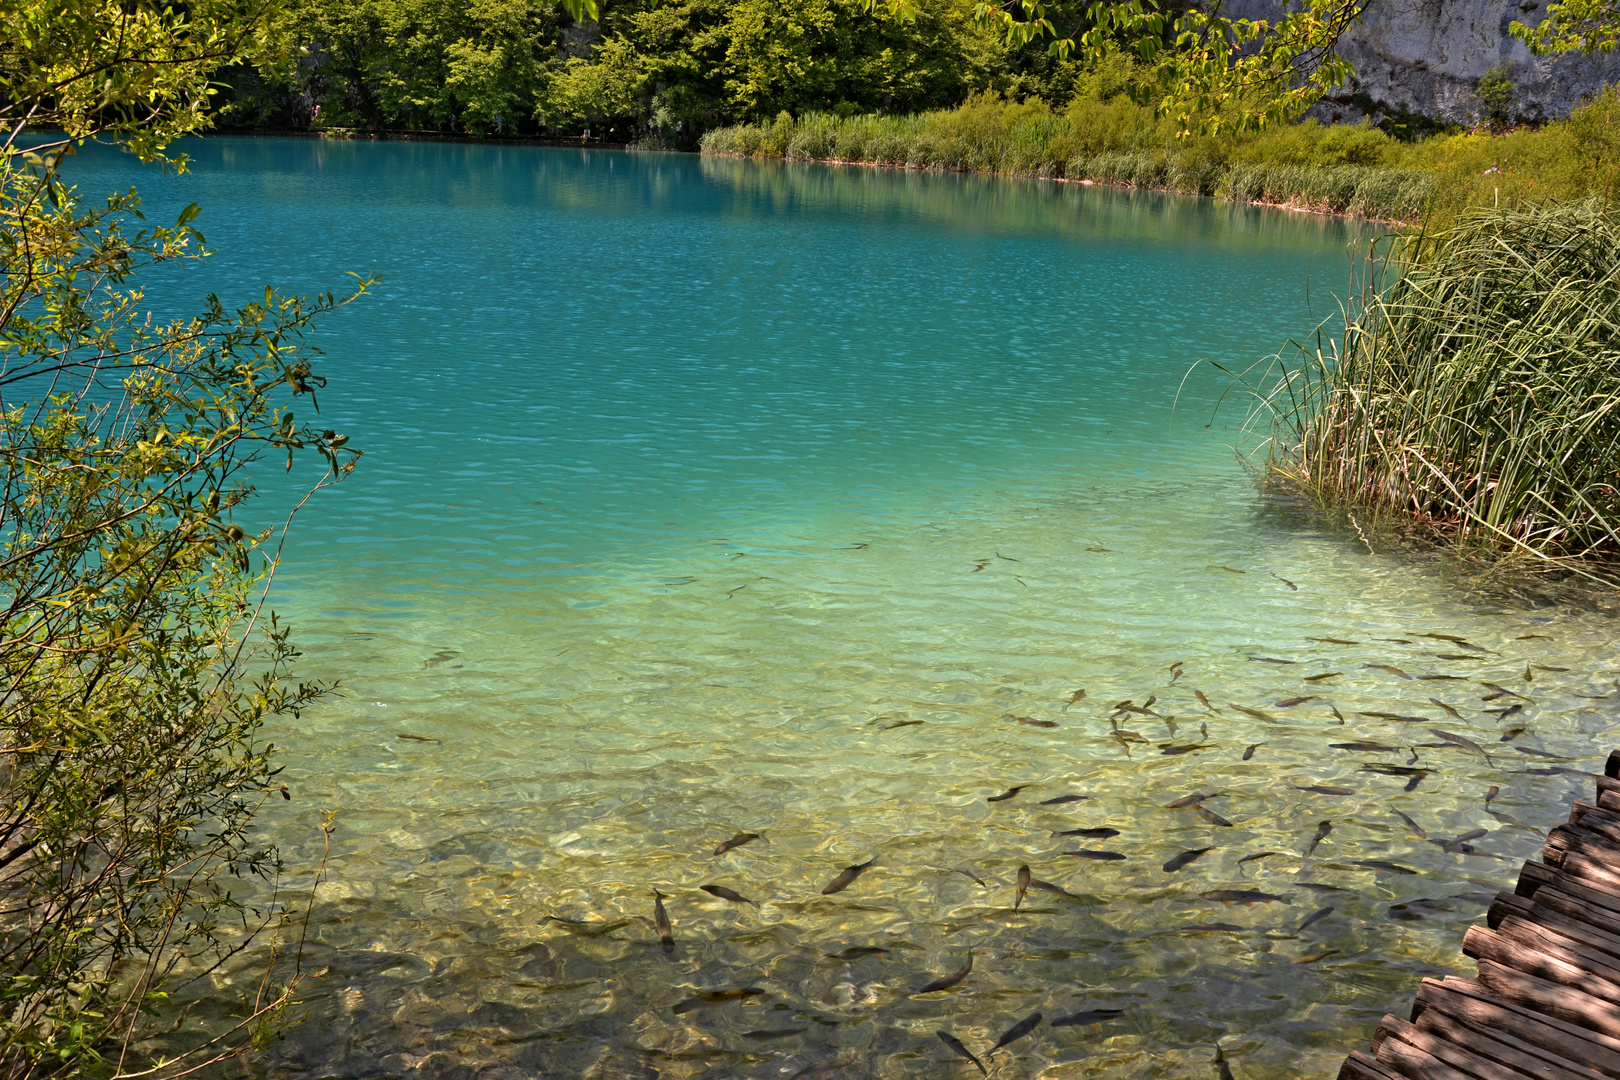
x,y
1478,392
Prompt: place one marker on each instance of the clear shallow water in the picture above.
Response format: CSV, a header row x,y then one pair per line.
x,y
692,485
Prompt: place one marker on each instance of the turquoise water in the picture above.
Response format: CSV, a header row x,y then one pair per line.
x,y
692,486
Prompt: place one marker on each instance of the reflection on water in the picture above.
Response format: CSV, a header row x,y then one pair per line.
x,y
711,498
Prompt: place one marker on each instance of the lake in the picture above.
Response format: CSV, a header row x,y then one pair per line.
x,y
706,497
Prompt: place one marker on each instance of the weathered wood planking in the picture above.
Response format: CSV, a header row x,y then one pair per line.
x,y
1546,1003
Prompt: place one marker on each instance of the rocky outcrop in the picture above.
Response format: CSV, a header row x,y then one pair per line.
x,y
1425,57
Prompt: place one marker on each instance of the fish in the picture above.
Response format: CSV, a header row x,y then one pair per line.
x,y
1074,699
1124,743
1231,570
1321,954
1204,701
1258,855
727,894
1177,666
1188,800
1313,918
1289,703
1532,637
1170,725
1333,641
1021,889
1529,676
1324,675
773,1033
1500,691
1379,864
1056,890
666,930
1318,887
856,952
1186,858
1512,733
1507,713
1395,671
1185,748
1213,928
1414,826
1393,770
1242,896
914,723
958,1049
1030,721
1086,1017
1061,799
1327,789
1286,582
1101,833
1509,819
416,738
1005,795
1460,740
589,927
1271,660
947,981
1453,713
1210,816
847,878
1370,747
1538,753
1455,640
971,876
1099,549
1322,831
1005,558
1223,1071
1139,710
1394,640
736,842
1017,1031
1203,730
1256,713
1455,656
708,998
1098,856
1249,752
1544,667
1492,792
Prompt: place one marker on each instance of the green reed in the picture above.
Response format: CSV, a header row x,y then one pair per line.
x,y
1475,390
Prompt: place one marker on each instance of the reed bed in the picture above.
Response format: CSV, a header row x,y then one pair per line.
x,y
1013,140
1477,392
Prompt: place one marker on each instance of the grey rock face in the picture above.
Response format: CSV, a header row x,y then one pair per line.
x,y
1427,56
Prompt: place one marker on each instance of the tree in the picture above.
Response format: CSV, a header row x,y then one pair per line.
x,y
137,661
1573,26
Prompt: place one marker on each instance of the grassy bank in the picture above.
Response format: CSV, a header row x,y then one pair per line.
x,y
1477,395
1103,137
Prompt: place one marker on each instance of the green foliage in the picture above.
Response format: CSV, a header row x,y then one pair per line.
x,y
1479,392
1573,26
1498,92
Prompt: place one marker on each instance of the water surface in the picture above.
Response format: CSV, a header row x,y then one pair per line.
x,y
708,497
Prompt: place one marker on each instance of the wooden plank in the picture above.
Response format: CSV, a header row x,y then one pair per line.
x,y
1572,948
1609,800
1549,962
1602,822
1501,1045
1544,996
1590,871
1416,1064
1506,904
1359,1066
1533,876
1466,1000
1464,1056
1595,926
1611,768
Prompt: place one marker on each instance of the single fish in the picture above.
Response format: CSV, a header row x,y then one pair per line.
x,y
1098,856
1333,641
1256,713
1318,887
856,952
1124,743
1379,864
1286,582
1289,703
1507,713
1394,640
736,842
1326,789
1090,834
971,876
1322,831
1395,671
709,998
1544,667
1055,890
773,1033
1538,753
1509,819
909,723
1005,795
847,878
1242,896
1500,691
1532,637
1074,699
1188,800
1204,701
948,981
1393,770
1414,826
1360,746
1453,713
727,894
1231,570
1139,710
1170,725
1030,721
1017,1031
1087,1017
1020,890
1249,753
1313,918
1442,678
1186,858
959,1050
1211,816
1460,740
589,927
1271,660
666,929
1492,792
1185,748
1455,656
415,738
1512,733
1529,676
1061,799
1324,675
1209,928
1321,954
1258,855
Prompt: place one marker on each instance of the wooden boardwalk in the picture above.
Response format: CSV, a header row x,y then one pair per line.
x,y
1546,1002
